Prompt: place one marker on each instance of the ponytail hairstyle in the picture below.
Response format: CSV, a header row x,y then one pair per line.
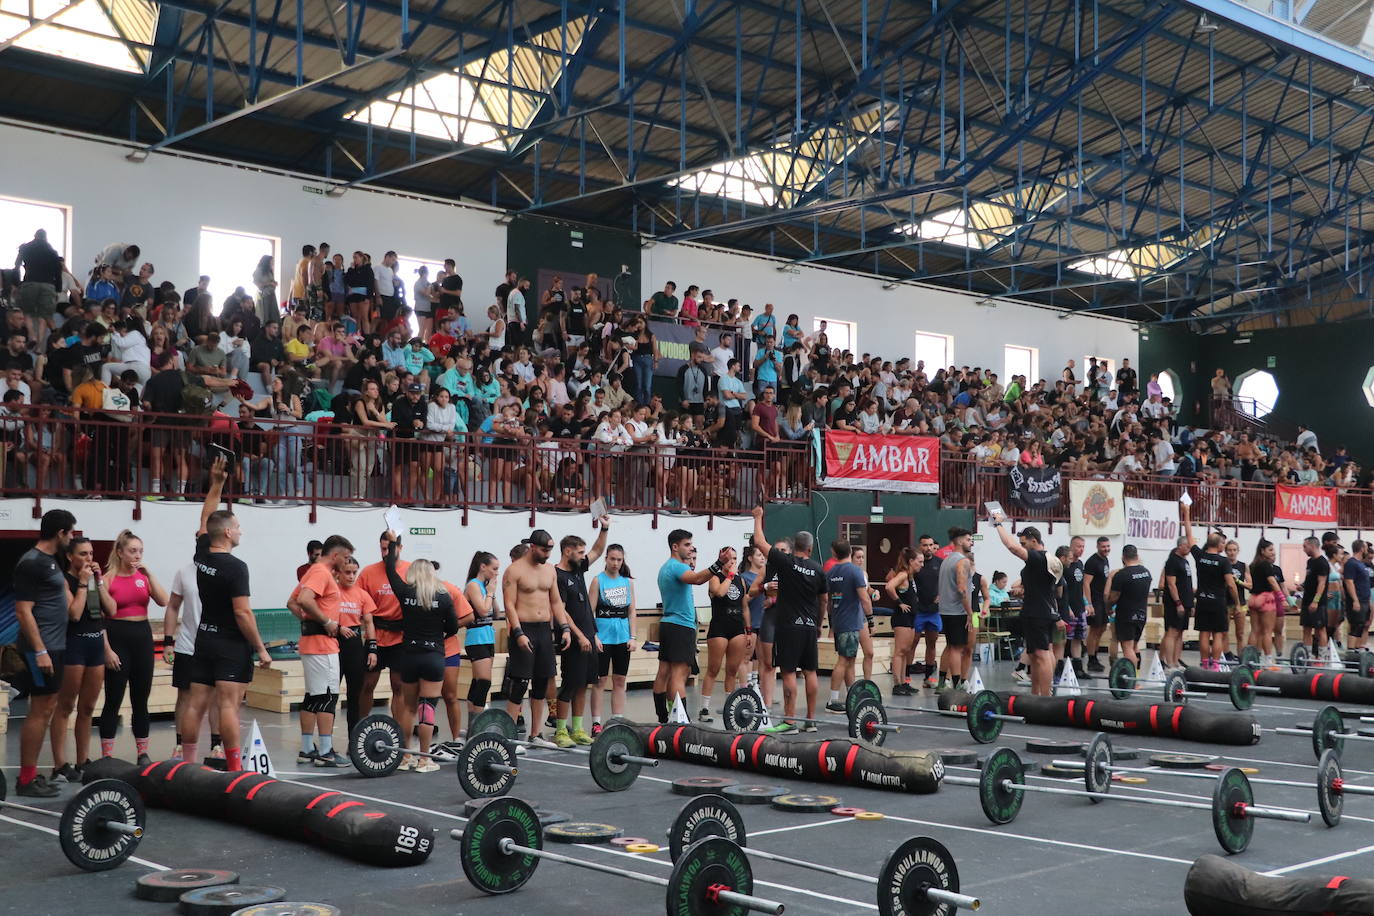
x,y
114,564
905,558
624,566
73,546
1260,548
479,559
422,577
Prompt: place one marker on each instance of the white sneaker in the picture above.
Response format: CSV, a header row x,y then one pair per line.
x,y
407,763
426,766
443,754
520,750
541,741
1021,676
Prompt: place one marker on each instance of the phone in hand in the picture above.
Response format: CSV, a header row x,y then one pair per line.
x,y
219,451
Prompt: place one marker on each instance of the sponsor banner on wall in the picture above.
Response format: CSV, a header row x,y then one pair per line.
x,y
906,464
1035,488
1096,508
1305,507
673,340
1152,524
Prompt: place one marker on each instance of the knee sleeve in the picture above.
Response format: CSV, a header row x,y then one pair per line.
x,y
477,691
426,710
567,690
540,688
514,688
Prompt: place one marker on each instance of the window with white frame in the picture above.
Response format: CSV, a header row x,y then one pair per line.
x,y
20,219
230,258
840,334
1020,361
935,350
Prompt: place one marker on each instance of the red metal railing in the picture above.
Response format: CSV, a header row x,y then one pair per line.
x,y
966,484
55,454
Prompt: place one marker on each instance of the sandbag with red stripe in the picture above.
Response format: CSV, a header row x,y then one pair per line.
x,y
1218,887
330,819
1335,686
833,761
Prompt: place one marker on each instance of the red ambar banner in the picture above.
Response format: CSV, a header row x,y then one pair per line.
x,y
908,464
1307,507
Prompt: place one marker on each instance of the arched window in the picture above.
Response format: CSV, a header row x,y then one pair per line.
x,y
1170,384
1258,391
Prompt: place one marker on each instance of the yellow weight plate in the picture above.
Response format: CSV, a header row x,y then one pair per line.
x,y
868,816
641,847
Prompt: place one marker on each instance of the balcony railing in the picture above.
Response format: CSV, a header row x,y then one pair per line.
x,y
94,456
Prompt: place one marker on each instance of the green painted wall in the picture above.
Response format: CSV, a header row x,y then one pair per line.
x,y
1319,369
534,244
822,515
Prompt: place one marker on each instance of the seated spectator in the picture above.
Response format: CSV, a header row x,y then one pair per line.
x,y
207,358
300,350
233,342
267,354
102,285
128,350
334,354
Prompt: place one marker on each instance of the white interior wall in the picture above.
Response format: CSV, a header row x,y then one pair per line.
x,y
274,538
162,203
888,319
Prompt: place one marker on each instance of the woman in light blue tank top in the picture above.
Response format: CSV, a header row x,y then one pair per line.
x,y
612,597
480,644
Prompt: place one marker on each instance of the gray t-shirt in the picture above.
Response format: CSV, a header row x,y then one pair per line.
x,y
951,599
39,579
204,357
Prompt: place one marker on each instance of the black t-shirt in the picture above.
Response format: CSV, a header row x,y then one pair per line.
x,y
450,292
358,373
137,293
89,621
1125,379
1039,584
730,604
577,318
1238,570
1211,575
23,361
1261,571
88,355
424,627
220,578
1073,587
42,263
1177,567
1132,585
928,586
1318,571
1098,567
801,582
572,588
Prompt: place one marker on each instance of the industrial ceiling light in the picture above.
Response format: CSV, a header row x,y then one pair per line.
x,y
137,155
1359,85
505,219
1206,25
892,284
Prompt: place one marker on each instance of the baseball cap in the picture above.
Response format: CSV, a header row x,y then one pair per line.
x,y
541,538
416,387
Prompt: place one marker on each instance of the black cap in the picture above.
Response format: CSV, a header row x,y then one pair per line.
x,y
415,387
541,538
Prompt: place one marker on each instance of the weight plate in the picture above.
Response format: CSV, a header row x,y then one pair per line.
x,y
916,865
846,811
642,848
1097,771
956,757
606,760
492,720
701,785
1121,678
981,726
1330,798
1299,658
168,886
582,832
624,841
1129,780
859,690
1175,686
863,723
1251,656
1239,687
1119,753
1326,730
1058,748
753,795
478,764
709,865
1364,663
703,816
227,898
1001,804
743,711
289,908
549,818
84,833
1181,761
1231,795
1057,772
1220,767
798,803
374,746
869,816
487,867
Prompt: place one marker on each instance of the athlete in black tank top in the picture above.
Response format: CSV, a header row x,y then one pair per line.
x,y
1039,617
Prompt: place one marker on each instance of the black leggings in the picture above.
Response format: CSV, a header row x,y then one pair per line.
x,y
132,641
353,666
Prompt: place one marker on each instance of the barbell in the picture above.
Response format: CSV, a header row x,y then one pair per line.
x,y
983,716
744,711
99,828
614,758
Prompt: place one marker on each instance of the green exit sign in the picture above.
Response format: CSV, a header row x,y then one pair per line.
x,y
422,532
1271,362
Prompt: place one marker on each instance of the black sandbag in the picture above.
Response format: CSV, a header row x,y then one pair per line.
x,y
834,760
1334,686
343,823
1218,887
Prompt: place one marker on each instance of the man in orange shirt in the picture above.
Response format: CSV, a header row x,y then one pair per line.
x,y
355,613
453,655
316,601
387,620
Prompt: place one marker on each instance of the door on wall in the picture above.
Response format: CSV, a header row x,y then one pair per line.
x,y
885,541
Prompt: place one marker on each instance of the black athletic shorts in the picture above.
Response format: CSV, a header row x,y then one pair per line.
x,y
1174,619
540,661
182,666
725,626
1358,618
955,628
1038,632
795,649
580,671
903,619
479,652
677,644
1212,616
613,659
41,684
1129,630
1098,615
1315,619
85,649
415,665
389,656
219,659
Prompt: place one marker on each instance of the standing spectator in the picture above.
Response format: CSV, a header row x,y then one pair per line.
x,y
517,320
265,279
450,289
121,258
767,365
664,304
1306,440
42,278
765,325
423,297
1126,380
388,296
360,280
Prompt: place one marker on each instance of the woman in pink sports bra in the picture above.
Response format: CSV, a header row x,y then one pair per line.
x,y
130,587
